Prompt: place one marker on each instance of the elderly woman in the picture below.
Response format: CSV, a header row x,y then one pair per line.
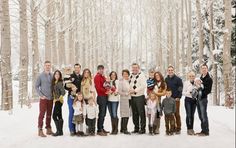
x,y
125,97
190,102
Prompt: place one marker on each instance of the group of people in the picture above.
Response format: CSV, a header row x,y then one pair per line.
x,y
89,98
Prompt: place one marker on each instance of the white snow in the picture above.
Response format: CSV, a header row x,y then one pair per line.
x,y
20,131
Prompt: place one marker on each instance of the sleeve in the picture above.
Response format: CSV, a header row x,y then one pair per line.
x,y
185,89
62,90
37,86
180,88
120,89
99,85
207,87
85,110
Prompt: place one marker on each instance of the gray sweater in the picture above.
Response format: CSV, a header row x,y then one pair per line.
x,y
168,106
43,85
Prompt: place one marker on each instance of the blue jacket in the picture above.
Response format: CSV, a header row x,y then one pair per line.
x,y
176,86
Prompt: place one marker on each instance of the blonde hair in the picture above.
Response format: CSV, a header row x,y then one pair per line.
x,y
190,73
153,93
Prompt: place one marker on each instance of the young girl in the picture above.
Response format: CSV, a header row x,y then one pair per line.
x,y
78,118
91,113
153,112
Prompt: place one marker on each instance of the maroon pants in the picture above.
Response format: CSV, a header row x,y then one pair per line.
x,y
45,106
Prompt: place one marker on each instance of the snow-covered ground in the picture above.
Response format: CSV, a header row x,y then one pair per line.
x,y
20,131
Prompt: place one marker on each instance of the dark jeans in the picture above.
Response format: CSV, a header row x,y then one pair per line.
x,y
57,111
190,108
91,125
113,107
202,113
138,110
102,105
45,107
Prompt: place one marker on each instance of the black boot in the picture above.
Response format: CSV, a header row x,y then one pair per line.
x,y
122,125
58,129
150,129
125,123
61,127
114,126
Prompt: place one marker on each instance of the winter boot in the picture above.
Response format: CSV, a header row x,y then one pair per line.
x,y
122,125
115,126
61,127
58,129
49,131
41,134
150,129
125,123
112,125
157,130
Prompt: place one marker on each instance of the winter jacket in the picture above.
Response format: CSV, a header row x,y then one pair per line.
x,y
176,86
99,81
168,106
207,85
43,85
58,92
76,80
188,88
90,111
123,89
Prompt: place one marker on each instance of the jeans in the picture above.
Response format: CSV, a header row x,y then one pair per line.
x,y
190,108
202,113
113,107
102,106
70,101
45,107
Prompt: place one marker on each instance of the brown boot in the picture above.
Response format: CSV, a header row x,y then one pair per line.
x,y
41,134
49,131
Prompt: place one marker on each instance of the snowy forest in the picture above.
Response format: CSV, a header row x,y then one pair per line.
x,y
116,33
153,33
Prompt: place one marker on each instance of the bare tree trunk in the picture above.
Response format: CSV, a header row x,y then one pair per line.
x,y
48,32
54,49
199,17
24,60
35,50
61,34
177,40
71,51
227,65
182,37
189,51
6,74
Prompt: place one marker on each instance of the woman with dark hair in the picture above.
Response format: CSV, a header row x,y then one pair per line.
x,y
160,90
113,102
58,92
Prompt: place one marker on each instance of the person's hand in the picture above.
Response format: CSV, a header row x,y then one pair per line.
x,y
131,91
43,97
177,99
74,89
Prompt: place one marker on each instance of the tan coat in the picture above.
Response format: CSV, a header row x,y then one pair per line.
x,y
123,90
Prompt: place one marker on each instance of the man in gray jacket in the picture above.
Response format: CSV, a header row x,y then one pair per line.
x,y
43,88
